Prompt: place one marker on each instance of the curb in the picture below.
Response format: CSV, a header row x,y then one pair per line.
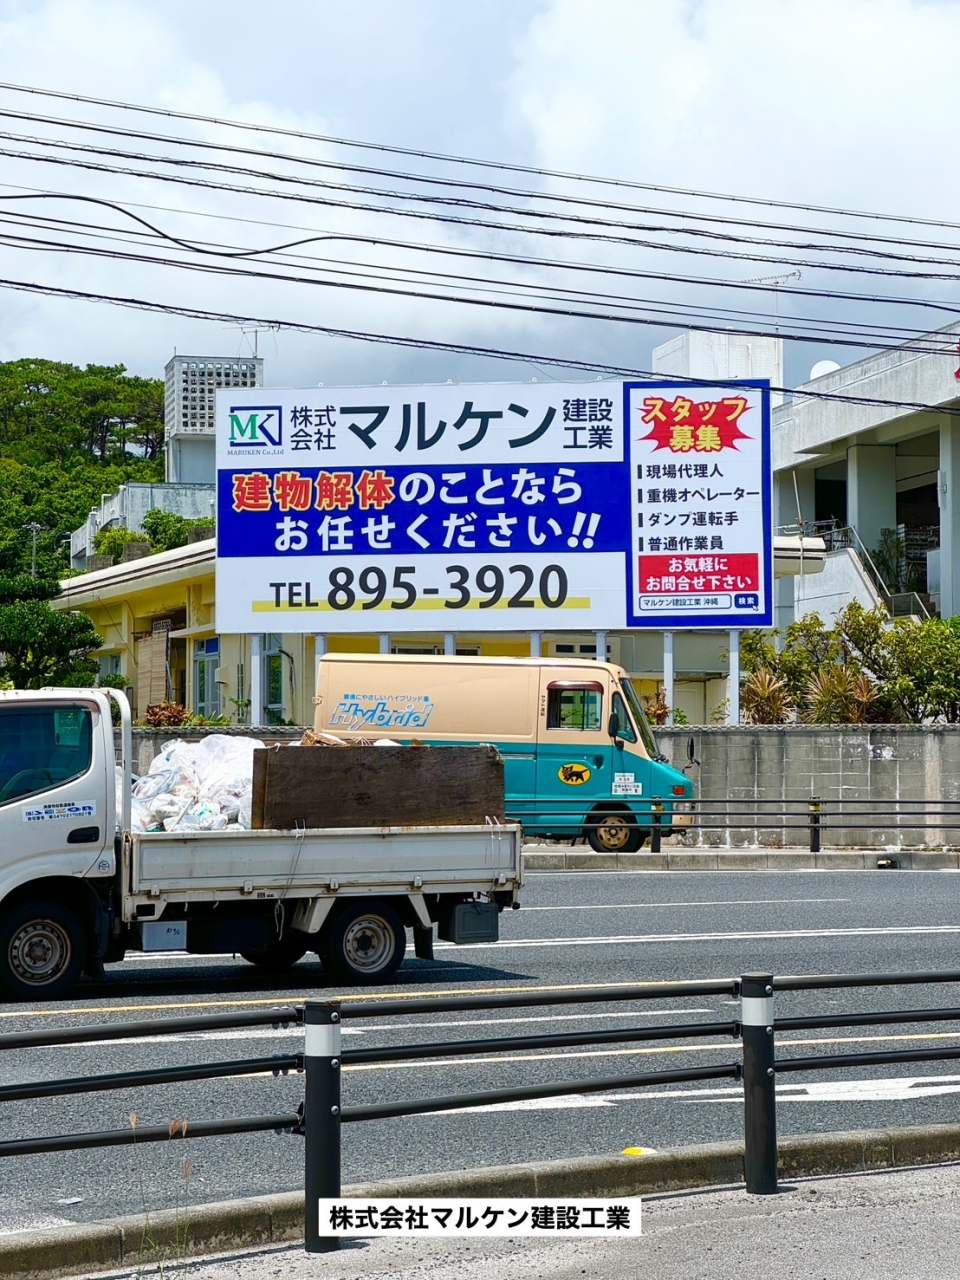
x,y
260,1220
562,859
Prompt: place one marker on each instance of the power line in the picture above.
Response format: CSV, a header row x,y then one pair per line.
x,y
453,183
428,344
501,166
555,264
680,313
487,207
568,313
448,219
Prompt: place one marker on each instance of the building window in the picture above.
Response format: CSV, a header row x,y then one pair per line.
x,y
206,691
272,675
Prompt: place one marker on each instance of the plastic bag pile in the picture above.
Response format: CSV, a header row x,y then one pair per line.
x,y
197,786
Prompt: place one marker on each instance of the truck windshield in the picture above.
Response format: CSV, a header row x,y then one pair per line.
x,y
41,746
643,724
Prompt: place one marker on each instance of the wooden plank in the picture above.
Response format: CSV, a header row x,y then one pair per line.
x,y
376,787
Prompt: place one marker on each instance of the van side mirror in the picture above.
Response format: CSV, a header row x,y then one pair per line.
x,y
691,757
613,725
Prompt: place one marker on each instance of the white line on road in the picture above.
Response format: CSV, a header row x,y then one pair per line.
x,y
883,1089
270,1033
739,936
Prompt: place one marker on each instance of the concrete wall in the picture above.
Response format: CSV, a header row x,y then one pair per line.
x,y
884,767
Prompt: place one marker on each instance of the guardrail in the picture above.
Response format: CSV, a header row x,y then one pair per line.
x,y
321,1114
815,816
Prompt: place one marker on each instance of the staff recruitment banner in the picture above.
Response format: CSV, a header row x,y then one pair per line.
x,y
562,506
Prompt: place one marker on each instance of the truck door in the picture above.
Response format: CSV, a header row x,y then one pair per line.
x,y
56,809
573,754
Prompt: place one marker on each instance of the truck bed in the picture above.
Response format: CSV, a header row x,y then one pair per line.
x,y
264,864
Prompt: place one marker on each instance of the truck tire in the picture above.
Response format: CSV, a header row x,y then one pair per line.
x,y
282,955
43,949
614,833
364,943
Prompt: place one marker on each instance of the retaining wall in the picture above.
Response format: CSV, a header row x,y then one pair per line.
x,y
880,765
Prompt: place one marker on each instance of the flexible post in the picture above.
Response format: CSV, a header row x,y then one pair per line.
x,y
321,1114
759,1084
656,824
814,824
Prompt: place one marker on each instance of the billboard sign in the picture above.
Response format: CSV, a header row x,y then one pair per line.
x,y
491,507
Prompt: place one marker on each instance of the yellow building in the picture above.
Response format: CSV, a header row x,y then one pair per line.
x,y
156,617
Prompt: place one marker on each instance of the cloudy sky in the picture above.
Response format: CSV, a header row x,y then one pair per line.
x,y
834,104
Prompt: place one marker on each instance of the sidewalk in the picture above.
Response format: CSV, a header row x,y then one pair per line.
x,y
858,1227
674,857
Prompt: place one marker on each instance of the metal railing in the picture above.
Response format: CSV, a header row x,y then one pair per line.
x,y
322,1113
837,537
813,821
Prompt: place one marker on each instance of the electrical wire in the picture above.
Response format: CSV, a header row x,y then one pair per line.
x,y
557,264
453,183
421,295
679,314
433,344
448,219
486,207
469,161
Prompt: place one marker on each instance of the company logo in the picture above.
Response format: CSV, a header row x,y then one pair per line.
x,y
574,775
258,428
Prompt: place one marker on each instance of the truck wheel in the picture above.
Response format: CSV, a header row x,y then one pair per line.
x,y
282,955
614,833
42,951
365,943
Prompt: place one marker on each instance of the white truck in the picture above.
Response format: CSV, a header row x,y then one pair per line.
x,y
79,889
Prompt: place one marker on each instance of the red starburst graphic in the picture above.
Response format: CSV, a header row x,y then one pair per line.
x,y
688,426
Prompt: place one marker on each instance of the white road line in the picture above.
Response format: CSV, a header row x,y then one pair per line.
x,y
734,902
269,1033
882,1089
739,936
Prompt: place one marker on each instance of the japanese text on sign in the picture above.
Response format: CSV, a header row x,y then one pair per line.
x,y
495,1217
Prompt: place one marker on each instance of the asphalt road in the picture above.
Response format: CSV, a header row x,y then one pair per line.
x,y
575,928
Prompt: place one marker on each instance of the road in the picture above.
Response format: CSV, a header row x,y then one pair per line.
x,y
574,928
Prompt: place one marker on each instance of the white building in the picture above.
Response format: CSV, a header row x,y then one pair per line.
x,y
190,411
852,469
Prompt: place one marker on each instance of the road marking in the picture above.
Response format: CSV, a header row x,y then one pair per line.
x,y
740,936
630,906
19,1220
708,1047
272,1033
883,1088
396,994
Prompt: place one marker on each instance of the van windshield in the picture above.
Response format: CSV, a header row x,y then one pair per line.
x,y
642,723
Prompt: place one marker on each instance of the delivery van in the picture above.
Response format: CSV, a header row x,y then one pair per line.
x,y
581,760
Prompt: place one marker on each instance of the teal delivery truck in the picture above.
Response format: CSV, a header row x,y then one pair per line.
x,y
581,760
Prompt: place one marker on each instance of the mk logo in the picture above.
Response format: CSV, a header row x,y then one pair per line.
x,y
260,426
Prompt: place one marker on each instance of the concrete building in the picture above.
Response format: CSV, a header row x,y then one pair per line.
x,y
190,409
126,508
853,469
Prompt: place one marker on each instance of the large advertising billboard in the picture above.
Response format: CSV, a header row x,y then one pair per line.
x,y
561,506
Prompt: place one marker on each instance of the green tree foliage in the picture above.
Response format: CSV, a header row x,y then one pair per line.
x,y
863,670
68,436
167,530
40,645
112,540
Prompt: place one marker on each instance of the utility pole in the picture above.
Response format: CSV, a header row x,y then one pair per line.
x,y
34,529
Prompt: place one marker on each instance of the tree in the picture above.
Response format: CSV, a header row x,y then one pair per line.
x,y
166,530
39,645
